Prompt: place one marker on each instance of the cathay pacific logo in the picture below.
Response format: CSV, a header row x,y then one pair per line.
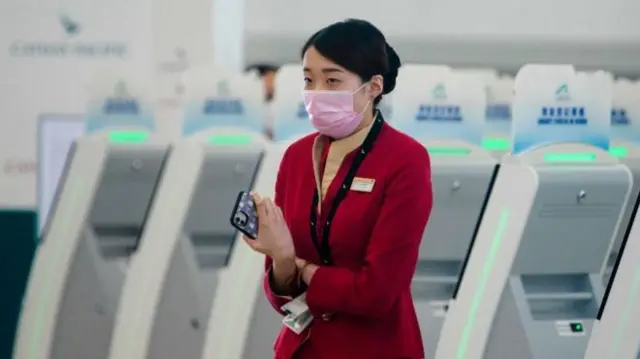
x,y
562,93
439,92
70,26
70,43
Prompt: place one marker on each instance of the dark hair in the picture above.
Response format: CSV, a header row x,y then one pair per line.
x,y
359,47
262,69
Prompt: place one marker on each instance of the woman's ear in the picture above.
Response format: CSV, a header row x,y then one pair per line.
x,y
376,85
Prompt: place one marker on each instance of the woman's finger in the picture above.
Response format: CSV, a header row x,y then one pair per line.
x,y
300,263
260,208
253,244
271,209
256,197
279,214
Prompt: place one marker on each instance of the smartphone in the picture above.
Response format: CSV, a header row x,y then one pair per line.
x,y
245,216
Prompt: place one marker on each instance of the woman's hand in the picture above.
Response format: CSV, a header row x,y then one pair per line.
x,y
306,270
274,238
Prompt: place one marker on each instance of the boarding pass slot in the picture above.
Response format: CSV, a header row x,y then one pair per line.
x,y
435,279
559,297
117,241
212,250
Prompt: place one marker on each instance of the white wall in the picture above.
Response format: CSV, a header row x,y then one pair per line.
x,y
576,19
465,32
46,67
182,39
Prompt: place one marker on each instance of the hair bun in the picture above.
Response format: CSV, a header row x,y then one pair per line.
x,y
394,64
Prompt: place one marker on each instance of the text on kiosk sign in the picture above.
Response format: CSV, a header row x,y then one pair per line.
x,y
448,113
216,106
120,106
563,116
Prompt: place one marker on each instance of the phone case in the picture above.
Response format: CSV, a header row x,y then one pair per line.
x,y
244,217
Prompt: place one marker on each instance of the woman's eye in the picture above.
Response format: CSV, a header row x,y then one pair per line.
x,y
333,81
307,80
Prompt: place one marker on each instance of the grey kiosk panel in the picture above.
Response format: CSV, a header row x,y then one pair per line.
x,y
554,289
460,195
205,249
117,216
627,218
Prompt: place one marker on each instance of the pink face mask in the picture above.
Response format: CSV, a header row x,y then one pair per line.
x,y
332,113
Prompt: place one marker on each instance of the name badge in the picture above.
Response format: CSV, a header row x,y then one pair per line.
x,y
360,184
298,317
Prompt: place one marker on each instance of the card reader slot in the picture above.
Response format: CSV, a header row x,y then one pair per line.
x,y
213,250
562,309
556,283
435,279
117,241
429,291
559,297
438,268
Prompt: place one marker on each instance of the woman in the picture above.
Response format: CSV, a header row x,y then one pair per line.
x,y
352,202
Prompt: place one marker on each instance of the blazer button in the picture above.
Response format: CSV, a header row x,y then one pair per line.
x,y
327,317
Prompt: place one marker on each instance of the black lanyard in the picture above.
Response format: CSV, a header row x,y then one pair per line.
x,y
323,247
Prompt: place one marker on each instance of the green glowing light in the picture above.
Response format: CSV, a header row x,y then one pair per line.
x,y
619,151
482,284
496,144
128,136
230,140
569,157
448,151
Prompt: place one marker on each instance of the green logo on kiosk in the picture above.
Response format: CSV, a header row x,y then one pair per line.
x,y
439,92
562,93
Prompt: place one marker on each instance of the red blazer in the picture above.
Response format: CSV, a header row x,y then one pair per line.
x,y
362,304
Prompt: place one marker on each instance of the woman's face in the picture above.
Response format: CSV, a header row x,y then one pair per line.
x,y
321,74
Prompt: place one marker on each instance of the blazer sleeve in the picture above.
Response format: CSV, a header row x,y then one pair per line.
x,y
392,253
275,299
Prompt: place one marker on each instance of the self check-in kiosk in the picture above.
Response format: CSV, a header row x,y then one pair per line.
x,y
462,179
631,159
243,324
532,285
99,211
624,145
167,297
450,123
174,279
616,333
